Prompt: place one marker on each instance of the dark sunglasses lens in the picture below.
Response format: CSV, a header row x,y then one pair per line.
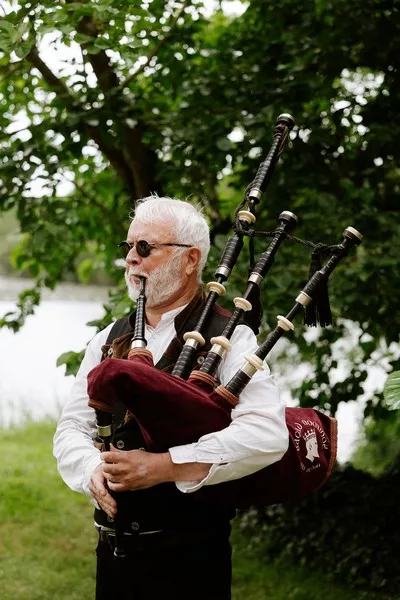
x,y
124,249
143,248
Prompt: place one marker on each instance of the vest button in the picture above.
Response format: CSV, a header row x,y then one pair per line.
x,y
200,360
110,519
135,526
120,444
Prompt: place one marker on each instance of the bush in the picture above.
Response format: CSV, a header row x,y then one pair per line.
x,y
349,528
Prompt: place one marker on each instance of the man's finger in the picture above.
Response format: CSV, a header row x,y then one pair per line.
x,y
113,479
107,503
116,486
98,494
110,511
97,488
115,449
110,469
109,457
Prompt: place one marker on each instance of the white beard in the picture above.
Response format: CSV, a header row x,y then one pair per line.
x,y
161,284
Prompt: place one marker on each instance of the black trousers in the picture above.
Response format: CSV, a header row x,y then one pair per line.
x,y
174,569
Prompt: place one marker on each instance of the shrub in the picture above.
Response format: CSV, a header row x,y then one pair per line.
x,y
349,528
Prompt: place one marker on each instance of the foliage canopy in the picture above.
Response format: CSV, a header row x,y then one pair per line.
x,y
105,101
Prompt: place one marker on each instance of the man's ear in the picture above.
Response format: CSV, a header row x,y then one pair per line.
x,y
193,256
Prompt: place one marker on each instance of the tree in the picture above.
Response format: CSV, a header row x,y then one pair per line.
x,y
158,97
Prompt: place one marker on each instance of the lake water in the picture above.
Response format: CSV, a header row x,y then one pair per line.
x,y
31,384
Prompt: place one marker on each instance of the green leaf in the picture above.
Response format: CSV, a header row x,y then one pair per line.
x,y
34,269
6,44
82,38
92,49
80,9
7,26
103,43
24,47
223,144
391,390
23,28
85,270
66,28
71,360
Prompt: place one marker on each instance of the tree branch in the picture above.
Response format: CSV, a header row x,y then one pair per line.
x,y
106,76
100,62
154,52
9,70
51,79
116,158
137,157
93,201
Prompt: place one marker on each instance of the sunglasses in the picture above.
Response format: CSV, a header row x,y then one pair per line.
x,y
144,248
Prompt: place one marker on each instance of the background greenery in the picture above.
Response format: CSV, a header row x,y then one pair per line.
x,y
105,101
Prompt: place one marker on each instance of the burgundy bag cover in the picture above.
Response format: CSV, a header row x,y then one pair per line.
x,y
171,412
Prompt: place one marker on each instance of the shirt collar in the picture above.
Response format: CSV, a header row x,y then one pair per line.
x,y
168,317
171,314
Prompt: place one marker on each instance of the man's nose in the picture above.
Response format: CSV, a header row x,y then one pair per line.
x,y
133,258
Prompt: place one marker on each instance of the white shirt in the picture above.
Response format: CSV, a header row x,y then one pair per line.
x,y
256,437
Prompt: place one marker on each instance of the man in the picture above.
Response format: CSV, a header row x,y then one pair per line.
x,y
178,546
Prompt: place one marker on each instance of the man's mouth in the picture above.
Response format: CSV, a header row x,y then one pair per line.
x,y
135,278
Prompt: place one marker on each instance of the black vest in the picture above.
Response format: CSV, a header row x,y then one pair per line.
x,y
162,506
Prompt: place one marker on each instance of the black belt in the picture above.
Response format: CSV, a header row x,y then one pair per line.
x,y
160,539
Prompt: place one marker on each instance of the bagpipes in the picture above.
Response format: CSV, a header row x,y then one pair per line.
x,y
178,408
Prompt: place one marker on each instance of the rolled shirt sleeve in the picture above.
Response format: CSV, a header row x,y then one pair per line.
x,y
257,435
73,447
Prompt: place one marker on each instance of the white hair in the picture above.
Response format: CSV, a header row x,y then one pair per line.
x,y
189,225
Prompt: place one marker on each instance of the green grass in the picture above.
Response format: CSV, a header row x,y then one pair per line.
x,y
47,538
46,531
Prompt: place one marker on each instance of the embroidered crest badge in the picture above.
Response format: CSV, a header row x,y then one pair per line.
x,y
309,439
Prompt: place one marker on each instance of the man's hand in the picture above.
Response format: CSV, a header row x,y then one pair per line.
x,y
98,489
137,470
